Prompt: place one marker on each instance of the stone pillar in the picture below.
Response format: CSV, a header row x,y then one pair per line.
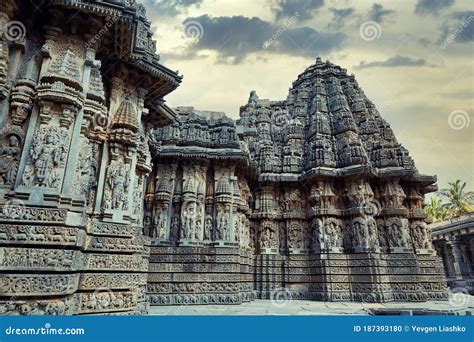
x,y
446,260
460,267
9,55
465,256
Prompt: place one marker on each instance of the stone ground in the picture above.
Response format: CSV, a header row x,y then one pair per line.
x,y
456,306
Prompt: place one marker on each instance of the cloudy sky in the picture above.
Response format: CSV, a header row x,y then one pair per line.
x,y
413,59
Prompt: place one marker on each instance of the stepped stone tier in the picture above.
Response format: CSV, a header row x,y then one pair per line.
x,y
110,200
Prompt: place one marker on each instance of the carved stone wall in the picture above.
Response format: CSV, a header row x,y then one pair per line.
x,y
76,113
350,232
197,213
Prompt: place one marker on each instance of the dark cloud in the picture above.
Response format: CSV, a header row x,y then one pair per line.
x,y
395,61
303,9
171,7
339,17
377,13
424,7
458,27
234,38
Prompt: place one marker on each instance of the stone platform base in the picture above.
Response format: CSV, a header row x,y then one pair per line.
x,y
219,275
199,275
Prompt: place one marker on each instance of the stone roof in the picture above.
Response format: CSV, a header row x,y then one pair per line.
x,y
199,134
461,225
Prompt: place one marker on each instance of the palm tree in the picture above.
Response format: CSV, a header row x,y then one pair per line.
x,y
435,210
458,201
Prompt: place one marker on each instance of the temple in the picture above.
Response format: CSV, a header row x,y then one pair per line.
x,y
454,242
111,201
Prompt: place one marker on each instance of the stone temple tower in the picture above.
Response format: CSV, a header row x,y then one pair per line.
x,y
339,200
319,201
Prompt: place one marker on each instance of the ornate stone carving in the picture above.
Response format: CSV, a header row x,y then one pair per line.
x,y
116,191
86,169
10,152
46,157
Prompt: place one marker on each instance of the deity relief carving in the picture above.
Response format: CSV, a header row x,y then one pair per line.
x,y
360,233
138,197
332,233
268,235
208,227
373,235
160,222
86,169
46,157
10,153
318,234
421,236
116,190
397,230
222,230
175,231
297,236
188,220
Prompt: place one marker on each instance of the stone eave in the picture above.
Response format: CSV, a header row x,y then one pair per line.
x,y
201,152
160,71
160,115
455,226
355,170
143,61
424,179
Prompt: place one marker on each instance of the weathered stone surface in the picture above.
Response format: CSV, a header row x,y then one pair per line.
x,y
110,199
453,240
76,113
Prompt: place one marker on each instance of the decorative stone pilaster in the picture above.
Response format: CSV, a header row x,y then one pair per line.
x,y
363,208
223,207
395,214
327,232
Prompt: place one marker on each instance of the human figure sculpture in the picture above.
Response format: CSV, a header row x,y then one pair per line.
x,y
222,229
118,184
45,157
9,157
208,228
